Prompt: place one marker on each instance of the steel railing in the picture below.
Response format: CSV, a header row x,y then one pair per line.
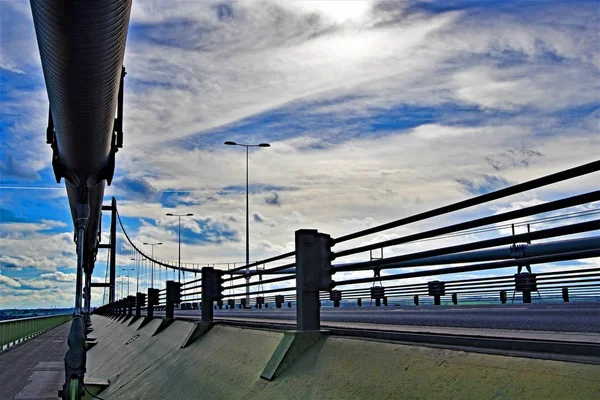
x,y
308,280
14,331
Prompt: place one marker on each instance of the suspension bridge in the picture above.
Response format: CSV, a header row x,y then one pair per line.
x,y
336,317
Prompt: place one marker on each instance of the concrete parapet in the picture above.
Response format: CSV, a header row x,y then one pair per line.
x,y
292,346
228,363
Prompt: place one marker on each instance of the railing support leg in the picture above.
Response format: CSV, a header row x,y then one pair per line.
x,y
565,294
212,290
152,301
173,297
313,274
140,301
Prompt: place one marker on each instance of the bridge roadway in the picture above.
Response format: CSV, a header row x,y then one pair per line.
x,y
553,317
35,369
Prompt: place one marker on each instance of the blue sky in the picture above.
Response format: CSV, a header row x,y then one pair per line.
x,y
374,110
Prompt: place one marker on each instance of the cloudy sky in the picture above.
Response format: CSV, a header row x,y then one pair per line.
x,y
374,110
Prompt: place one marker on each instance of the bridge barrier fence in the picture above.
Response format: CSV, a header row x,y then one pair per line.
x,y
308,279
13,331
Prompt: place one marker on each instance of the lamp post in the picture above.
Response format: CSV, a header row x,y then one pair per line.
x,y
247,146
179,216
152,256
144,272
137,279
121,283
127,269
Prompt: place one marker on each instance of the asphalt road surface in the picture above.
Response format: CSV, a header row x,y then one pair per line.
x,y
35,369
556,317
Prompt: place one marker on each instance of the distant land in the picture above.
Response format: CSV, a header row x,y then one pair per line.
x,y
13,313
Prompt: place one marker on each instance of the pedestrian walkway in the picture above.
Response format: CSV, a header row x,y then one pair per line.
x,y
35,368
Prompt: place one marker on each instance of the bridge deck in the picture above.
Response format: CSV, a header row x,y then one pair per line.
x,y
35,369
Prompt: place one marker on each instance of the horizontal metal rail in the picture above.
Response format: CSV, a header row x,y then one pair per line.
x,y
535,249
264,282
478,267
510,215
523,237
498,194
265,261
16,330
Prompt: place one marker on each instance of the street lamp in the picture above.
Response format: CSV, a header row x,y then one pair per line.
x,y
137,279
127,269
152,273
247,146
121,283
144,272
179,216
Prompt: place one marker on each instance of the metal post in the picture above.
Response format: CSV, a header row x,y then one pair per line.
x,y
179,257
173,297
503,296
152,272
139,302
113,250
152,301
87,293
313,264
565,294
130,304
211,291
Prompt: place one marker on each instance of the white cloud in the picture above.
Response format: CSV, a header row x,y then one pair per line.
x,y
498,84
8,281
59,276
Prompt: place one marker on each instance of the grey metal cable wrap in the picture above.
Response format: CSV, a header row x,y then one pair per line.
x,y
82,45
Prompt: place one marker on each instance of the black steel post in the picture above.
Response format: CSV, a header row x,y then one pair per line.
x,y
130,304
173,297
279,299
526,283
503,296
565,294
152,301
454,298
313,274
212,290
416,299
113,250
437,289
359,302
140,300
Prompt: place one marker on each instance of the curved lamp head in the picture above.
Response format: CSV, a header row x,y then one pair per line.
x,y
264,145
189,215
230,143
169,214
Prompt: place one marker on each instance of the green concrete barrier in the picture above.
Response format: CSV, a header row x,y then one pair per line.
x,y
13,331
231,363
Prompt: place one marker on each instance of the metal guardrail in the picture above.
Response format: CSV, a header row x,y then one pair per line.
x,y
309,278
13,331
